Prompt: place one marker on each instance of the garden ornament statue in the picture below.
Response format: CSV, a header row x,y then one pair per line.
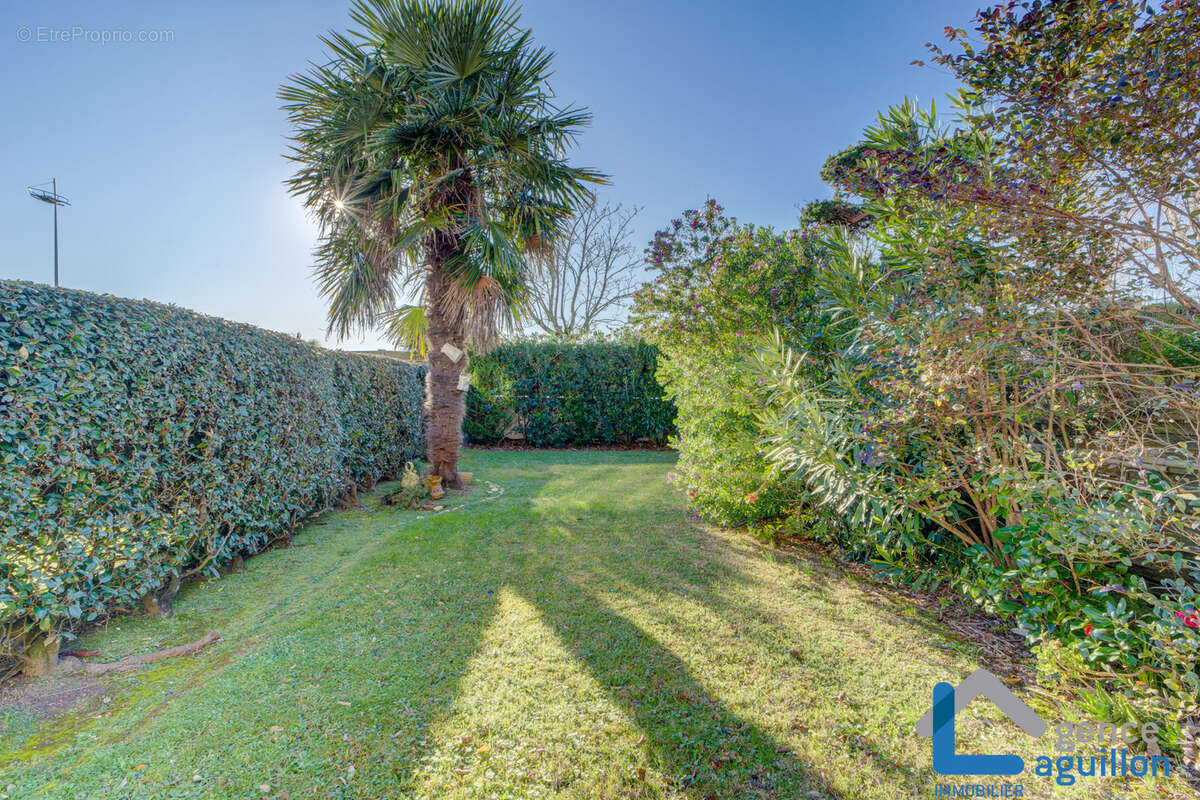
x,y
410,478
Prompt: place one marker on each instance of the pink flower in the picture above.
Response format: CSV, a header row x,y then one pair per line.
x,y
752,497
1190,617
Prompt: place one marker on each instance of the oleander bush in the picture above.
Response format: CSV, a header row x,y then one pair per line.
x,y
720,284
568,394
140,441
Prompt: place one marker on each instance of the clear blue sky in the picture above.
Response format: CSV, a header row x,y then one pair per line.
x,y
170,151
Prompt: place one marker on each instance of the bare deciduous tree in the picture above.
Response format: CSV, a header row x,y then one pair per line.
x,y
594,269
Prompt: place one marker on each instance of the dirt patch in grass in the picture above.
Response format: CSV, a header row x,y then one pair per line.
x,y
50,696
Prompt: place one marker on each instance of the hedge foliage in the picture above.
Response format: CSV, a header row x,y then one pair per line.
x,y
139,440
560,395
720,284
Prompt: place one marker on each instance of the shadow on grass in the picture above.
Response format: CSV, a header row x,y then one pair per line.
x,y
358,656
702,747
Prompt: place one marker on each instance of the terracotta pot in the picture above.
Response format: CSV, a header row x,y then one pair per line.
x,y
434,484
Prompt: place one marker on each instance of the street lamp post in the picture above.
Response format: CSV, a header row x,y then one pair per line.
x,y
55,199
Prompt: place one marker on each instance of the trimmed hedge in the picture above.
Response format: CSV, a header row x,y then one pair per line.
x,y
139,440
560,395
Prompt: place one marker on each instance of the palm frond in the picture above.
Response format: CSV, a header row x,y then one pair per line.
x,y
406,327
431,122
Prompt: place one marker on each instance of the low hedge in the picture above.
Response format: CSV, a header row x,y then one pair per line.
x,y
138,441
559,395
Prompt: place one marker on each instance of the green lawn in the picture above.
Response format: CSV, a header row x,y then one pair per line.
x,y
578,636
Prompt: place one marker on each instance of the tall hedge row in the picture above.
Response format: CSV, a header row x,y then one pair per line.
x,y
139,440
558,395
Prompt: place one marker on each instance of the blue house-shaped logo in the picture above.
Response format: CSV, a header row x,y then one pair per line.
x,y
938,724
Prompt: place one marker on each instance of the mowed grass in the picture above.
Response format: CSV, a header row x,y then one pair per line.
x,y
579,636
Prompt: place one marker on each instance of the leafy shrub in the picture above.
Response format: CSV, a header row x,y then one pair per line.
x,y
1101,578
561,395
720,467
379,409
1164,345
1000,388
490,412
900,413
931,434
139,440
720,284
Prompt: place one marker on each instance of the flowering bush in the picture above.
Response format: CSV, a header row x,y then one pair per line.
x,y
1070,573
1016,377
719,285
997,387
949,437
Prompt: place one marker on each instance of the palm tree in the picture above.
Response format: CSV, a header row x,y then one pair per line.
x,y
432,155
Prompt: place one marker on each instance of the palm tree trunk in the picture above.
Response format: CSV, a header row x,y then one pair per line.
x,y
445,402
